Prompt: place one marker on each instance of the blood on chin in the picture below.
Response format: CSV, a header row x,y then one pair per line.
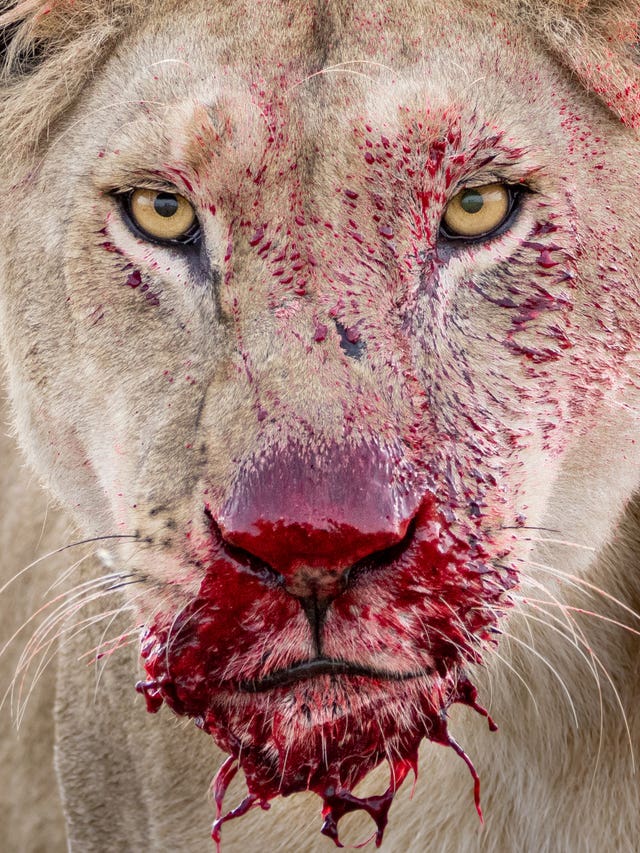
x,y
324,735
326,731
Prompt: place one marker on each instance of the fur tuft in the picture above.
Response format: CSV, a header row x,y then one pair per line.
x,y
50,50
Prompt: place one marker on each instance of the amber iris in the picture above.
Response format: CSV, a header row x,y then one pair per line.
x,y
162,215
477,211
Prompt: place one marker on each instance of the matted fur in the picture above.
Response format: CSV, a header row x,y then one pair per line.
x,y
95,401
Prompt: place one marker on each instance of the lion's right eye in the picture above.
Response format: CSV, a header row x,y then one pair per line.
x,y
163,217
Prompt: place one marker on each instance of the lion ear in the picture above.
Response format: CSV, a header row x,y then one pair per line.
x,y
20,49
598,40
33,30
48,50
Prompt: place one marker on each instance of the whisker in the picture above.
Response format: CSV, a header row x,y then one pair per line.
x,y
58,616
592,667
590,613
342,66
500,657
585,583
528,580
473,641
123,584
63,612
62,550
44,526
535,652
107,658
569,621
77,592
97,652
65,575
519,676
616,693
560,542
39,641
73,630
171,639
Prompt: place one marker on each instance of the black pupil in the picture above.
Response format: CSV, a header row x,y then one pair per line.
x,y
166,204
472,201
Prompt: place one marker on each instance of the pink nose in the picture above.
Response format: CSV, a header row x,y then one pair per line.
x,y
314,514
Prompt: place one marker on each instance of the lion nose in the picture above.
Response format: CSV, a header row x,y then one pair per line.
x,y
311,515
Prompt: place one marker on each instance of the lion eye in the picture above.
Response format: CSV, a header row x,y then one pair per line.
x,y
162,216
477,212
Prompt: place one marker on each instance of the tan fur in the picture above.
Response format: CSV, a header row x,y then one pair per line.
x,y
91,89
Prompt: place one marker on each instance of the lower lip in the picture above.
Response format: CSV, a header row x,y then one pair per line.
x,y
316,668
337,799
332,758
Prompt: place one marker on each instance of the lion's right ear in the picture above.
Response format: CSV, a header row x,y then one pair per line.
x,y
48,50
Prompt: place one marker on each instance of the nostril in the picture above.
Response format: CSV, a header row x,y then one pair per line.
x,y
241,557
319,584
384,557
324,542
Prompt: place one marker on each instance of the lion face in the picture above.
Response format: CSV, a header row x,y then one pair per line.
x,y
324,408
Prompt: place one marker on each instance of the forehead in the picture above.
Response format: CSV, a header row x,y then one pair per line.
x,y
327,60
283,30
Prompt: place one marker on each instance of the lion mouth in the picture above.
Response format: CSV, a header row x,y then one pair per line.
x,y
323,666
312,676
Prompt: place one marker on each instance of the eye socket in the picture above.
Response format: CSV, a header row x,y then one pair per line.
x,y
478,211
163,217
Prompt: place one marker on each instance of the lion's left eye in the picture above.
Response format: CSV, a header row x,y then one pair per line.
x,y
477,212
164,217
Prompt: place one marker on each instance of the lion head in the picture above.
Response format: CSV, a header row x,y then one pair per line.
x,y
316,303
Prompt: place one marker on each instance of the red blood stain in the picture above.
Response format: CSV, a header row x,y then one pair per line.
x,y
134,279
257,236
207,663
545,259
320,333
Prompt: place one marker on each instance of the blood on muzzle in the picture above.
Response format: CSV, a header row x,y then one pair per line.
x,y
311,514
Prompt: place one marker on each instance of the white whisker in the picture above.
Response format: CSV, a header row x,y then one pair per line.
x,y
345,67
552,669
67,597
73,631
547,539
616,693
586,584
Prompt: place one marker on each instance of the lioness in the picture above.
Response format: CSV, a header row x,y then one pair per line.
x,y
320,324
